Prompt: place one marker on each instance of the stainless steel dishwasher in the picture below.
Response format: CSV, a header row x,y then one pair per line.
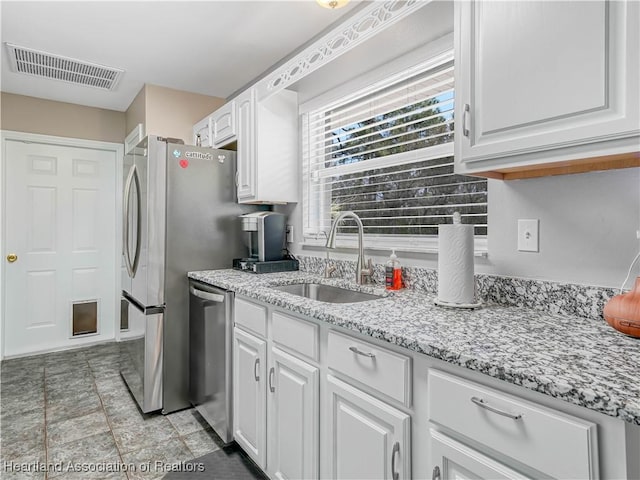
x,y
210,354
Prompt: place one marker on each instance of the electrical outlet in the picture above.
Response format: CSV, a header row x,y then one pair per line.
x,y
528,237
289,233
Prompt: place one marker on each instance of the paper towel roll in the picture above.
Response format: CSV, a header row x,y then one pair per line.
x,y
455,264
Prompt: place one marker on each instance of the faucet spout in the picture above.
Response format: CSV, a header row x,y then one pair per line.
x,y
363,274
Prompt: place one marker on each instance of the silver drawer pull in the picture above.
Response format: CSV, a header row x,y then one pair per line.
x,y
271,373
396,449
481,403
465,114
256,365
364,354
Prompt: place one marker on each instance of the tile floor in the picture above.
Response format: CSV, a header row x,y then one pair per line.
x,y
72,408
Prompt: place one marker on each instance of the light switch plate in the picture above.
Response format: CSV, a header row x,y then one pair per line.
x,y
528,235
289,233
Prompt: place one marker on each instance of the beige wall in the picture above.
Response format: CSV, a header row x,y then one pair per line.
x,y
136,112
163,111
35,115
172,113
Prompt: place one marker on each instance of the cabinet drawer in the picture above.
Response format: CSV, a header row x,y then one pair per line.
x,y
551,442
250,316
297,334
376,367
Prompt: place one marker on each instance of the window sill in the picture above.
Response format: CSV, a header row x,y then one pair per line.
x,y
424,245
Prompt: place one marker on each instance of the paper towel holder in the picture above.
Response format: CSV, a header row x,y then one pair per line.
x,y
457,220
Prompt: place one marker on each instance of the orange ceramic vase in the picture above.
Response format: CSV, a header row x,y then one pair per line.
x,y
622,312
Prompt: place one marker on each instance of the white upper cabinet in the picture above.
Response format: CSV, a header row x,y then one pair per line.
x,y
246,165
223,125
538,83
267,142
202,130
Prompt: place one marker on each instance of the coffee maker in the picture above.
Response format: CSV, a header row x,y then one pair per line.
x,y
265,234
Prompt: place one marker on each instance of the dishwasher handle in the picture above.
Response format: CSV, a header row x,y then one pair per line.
x,y
213,297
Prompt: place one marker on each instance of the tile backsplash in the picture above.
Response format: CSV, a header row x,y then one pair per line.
x,y
551,297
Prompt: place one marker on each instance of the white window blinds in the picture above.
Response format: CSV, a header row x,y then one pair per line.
x,y
387,155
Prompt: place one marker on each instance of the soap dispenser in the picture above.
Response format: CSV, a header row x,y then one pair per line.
x,y
393,273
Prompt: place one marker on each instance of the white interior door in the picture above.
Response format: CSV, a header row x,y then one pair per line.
x,y
60,209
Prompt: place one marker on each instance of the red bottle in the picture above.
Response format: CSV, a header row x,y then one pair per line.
x,y
393,273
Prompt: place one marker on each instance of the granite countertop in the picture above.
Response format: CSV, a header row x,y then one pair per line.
x,y
582,361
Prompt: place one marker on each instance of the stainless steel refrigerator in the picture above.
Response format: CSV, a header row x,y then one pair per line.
x,y
180,214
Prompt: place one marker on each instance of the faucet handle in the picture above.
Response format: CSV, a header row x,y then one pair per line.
x,y
370,266
366,274
329,269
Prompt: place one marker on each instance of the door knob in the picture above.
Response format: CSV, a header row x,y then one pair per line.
x,y
12,257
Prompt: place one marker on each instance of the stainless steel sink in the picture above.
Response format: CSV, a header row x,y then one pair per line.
x,y
326,293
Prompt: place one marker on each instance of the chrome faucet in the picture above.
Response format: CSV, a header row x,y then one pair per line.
x,y
329,267
363,274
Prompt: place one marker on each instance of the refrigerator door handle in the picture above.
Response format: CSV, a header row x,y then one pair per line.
x,y
125,229
136,257
213,297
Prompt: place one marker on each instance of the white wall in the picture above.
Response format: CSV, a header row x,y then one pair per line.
x,y
588,225
588,222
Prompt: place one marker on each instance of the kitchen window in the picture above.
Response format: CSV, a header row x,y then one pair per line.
x,y
386,153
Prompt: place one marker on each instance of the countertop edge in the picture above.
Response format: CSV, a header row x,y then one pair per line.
x,y
601,402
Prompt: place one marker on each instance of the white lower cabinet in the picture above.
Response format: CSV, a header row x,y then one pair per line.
x,y
455,461
293,420
315,401
276,398
367,438
529,437
249,395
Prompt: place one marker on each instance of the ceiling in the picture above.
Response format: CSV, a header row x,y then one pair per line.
x,y
208,47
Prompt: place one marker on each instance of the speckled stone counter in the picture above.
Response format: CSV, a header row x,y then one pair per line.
x,y
575,359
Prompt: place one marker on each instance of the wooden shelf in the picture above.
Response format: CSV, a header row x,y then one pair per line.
x,y
610,162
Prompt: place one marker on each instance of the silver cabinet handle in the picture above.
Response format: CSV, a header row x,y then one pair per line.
x,y
272,371
125,227
237,178
436,473
136,256
360,352
396,449
481,403
256,375
465,115
213,297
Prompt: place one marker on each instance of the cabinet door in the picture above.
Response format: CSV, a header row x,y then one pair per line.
x,y
203,129
533,76
368,439
246,140
249,395
223,125
293,417
452,460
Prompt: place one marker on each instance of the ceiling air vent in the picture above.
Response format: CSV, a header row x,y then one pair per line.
x,y
47,65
